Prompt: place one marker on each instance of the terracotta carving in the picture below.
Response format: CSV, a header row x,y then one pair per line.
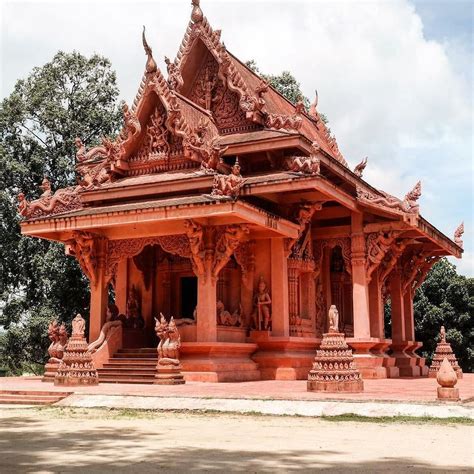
x,y
447,379
334,368
225,318
378,244
175,80
262,316
359,169
293,122
443,352
408,205
169,366
458,235
131,126
333,319
303,164
150,66
77,367
63,200
82,246
228,185
133,317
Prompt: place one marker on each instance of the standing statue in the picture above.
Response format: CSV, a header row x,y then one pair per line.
x,y
228,185
53,334
442,335
262,304
333,319
63,340
78,326
161,328
168,367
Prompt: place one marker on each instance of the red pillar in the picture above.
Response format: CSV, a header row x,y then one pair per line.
x,y
279,295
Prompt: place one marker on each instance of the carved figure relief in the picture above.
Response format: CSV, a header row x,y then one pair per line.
x,y
294,122
378,244
78,326
228,185
175,80
408,205
303,164
82,247
261,317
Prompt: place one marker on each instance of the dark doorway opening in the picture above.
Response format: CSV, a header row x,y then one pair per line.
x,y
188,296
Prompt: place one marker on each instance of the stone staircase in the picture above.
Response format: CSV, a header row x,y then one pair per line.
x,y
33,397
130,366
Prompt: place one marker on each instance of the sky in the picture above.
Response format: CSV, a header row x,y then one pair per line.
x,y
394,78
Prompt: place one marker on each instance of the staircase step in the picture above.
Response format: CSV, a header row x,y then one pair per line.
x,y
23,397
141,350
135,355
127,371
117,365
115,379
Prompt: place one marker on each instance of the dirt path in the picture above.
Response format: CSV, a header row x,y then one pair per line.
x,y
80,440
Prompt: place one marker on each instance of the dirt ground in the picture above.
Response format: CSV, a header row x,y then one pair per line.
x,y
90,440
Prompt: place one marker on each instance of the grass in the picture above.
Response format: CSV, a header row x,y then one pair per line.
x,y
140,414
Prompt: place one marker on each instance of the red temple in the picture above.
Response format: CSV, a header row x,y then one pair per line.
x,y
225,205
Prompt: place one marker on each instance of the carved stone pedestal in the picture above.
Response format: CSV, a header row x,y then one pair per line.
x,y
169,375
334,368
50,370
450,394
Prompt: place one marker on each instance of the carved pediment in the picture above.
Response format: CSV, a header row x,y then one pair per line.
x,y
211,92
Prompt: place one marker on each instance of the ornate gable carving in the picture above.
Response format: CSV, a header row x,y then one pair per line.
x,y
210,92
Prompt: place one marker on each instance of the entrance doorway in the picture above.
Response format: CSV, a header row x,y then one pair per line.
x,y
188,296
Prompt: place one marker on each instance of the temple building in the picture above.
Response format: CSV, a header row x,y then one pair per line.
x,y
228,207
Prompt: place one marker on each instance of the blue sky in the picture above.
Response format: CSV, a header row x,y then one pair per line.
x,y
394,77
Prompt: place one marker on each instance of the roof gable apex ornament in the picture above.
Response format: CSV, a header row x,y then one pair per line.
x,y
359,169
151,65
458,234
196,14
312,112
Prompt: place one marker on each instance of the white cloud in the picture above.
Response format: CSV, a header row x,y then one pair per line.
x,y
388,92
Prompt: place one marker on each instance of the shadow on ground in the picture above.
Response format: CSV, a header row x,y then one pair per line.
x,y
26,445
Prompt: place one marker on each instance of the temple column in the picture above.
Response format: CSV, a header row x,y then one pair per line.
x,y
376,307
370,365
400,342
409,315
206,326
99,292
293,292
279,295
121,285
360,296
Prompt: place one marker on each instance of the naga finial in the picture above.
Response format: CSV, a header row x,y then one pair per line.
x,y
196,15
312,108
150,62
458,234
359,169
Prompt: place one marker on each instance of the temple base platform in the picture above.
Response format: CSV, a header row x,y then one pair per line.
x,y
353,386
283,358
219,362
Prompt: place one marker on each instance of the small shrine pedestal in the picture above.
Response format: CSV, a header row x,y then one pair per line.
x,y
444,351
77,367
169,375
334,368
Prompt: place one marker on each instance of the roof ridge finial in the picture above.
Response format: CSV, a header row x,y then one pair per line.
x,y
196,15
312,108
150,66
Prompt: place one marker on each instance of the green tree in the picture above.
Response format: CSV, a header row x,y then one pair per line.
x,y
444,299
70,96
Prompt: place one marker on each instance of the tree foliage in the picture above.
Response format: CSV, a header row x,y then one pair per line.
x,y
70,96
446,298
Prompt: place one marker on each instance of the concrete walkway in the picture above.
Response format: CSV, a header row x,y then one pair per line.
x,y
306,408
